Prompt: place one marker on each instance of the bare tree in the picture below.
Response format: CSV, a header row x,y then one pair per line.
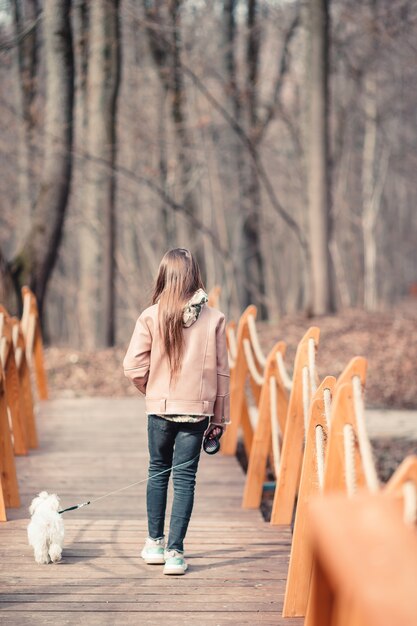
x,y
165,42
81,28
97,238
318,157
26,57
36,260
252,252
242,105
233,158
373,180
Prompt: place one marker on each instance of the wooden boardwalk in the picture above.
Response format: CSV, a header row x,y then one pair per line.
x,y
237,562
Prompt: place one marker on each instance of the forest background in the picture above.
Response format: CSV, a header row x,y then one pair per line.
x,y
276,139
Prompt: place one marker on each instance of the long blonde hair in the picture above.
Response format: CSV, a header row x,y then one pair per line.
x,y
178,279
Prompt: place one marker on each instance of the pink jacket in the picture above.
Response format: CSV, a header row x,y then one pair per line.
x,y
202,387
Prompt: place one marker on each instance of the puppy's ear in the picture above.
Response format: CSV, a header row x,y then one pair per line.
x,y
34,505
54,500
43,495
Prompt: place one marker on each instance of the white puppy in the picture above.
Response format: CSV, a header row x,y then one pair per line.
x,y
46,528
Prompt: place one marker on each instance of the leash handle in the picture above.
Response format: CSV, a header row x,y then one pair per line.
x,y
75,507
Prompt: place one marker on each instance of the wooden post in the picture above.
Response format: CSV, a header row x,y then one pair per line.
x,y
231,330
255,387
11,383
7,461
214,296
300,568
33,337
3,514
247,429
343,412
234,348
301,559
365,562
262,437
40,364
24,383
321,598
406,472
356,367
292,447
237,386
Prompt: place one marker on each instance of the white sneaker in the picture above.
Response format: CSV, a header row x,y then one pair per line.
x,y
174,563
153,551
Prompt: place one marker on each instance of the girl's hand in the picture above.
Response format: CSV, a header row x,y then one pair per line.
x,y
213,430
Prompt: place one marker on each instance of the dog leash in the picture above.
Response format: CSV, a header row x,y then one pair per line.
x,y
139,482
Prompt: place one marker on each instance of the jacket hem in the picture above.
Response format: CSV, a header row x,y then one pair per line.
x,y
188,413
180,407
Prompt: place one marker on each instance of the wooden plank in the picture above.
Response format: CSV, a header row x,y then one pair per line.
x,y
185,618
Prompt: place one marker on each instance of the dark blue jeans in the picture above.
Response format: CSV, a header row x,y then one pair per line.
x,y
172,443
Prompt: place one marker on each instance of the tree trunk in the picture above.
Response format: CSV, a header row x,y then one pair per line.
x,y
179,117
164,32
246,229
25,62
369,210
374,173
318,158
97,267
254,270
37,259
236,170
168,219
81,28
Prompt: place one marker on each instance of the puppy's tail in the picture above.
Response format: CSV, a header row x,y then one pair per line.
x,y
55,552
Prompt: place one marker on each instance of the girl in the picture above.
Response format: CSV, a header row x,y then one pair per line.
x,y
177,357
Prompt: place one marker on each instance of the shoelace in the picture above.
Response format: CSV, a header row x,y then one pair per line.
x,y
172,554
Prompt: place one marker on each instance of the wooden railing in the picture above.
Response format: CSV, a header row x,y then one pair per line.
x,y
21,350
312,436
31,328
365,563
240,373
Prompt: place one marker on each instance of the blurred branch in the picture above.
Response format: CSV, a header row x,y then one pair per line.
x,y
142,180
12,43
8,287
237,128
283,68
292,130
263,176
157,44
153,186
